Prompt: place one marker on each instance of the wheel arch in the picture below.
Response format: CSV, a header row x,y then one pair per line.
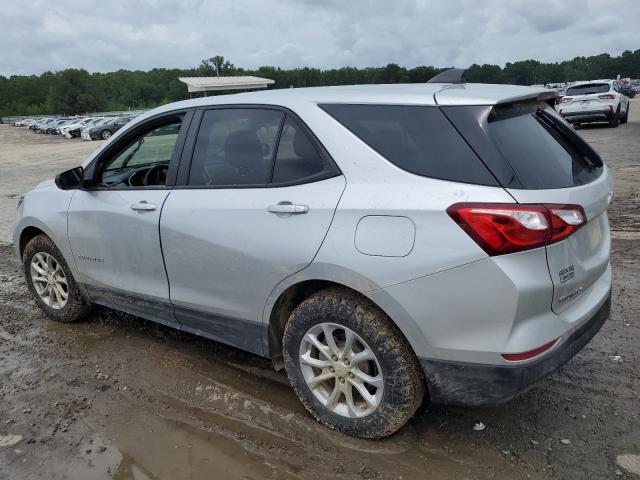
x,y
27,234
294,294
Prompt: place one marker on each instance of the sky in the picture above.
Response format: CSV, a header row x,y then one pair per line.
x,y
108,35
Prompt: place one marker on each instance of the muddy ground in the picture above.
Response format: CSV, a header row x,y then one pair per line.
x,y
119,397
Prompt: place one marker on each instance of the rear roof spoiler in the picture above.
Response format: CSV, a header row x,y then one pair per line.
x,y
453,75
548,96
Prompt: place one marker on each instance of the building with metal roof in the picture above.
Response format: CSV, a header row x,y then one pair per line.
x,y
206,84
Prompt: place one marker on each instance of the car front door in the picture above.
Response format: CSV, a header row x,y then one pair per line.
x,y
113,226
252,209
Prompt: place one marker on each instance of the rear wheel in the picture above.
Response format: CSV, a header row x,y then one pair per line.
x,y
105,134
350,365
51,282
615,119
625,118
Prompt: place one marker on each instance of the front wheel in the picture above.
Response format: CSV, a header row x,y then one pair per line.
x,y
51,282
351,366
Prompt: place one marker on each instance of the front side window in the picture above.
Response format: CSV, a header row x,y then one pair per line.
x,y
144,162
235,147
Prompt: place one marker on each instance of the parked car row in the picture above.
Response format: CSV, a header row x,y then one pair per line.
x,y
87,128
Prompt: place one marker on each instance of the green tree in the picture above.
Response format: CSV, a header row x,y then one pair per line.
x,y
77,91
217,66
71,93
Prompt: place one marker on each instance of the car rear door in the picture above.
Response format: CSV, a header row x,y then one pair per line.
x,y
238,225
540,159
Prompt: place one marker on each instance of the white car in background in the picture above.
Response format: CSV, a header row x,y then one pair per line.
x,y
78,125
25,122
595,101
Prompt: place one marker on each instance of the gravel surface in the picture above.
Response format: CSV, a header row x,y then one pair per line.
x,y
119,397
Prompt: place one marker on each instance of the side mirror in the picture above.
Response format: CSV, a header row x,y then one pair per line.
x,y
71,179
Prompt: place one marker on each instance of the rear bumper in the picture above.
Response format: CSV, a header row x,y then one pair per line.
x,y
588,116
470,384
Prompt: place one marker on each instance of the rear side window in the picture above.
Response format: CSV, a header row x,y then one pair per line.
x,y
235,147
588,89
524,149
418,139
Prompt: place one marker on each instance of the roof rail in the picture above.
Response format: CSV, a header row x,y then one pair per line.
x,y
453,75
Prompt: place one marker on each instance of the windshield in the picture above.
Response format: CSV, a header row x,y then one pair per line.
x,y
588,89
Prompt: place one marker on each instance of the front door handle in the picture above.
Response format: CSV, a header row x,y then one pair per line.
x,y
289,208
143,206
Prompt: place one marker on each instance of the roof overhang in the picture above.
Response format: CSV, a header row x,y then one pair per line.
x,y
205,84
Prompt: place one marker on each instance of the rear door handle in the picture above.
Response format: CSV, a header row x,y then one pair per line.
x,y
143,206
287,207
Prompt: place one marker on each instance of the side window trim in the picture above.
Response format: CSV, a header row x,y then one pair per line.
x,y
116,147
182,181
274,154
187,151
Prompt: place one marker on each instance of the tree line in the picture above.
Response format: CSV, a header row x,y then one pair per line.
x,y
74,91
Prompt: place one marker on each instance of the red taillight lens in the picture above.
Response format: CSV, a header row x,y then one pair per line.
x,y
606,96
501,228
566,99
518,357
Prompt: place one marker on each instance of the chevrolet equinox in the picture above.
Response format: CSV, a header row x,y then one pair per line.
x,y
382,243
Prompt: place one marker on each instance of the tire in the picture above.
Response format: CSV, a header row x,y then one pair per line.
x,y
615,119
394,366
105,134
626,115
75,306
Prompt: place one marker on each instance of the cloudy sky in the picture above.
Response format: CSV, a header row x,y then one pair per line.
x,y
106,35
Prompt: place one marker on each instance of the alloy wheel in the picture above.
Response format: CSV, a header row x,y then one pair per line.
x,y
341,370
49,280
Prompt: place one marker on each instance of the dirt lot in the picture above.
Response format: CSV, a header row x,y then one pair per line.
x,y
119,397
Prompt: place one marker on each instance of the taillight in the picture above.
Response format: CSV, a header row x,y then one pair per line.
x,y
501,228
565,219
566,99
607,96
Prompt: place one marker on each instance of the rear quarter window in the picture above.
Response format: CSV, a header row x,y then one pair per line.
x,y
418,139
522,150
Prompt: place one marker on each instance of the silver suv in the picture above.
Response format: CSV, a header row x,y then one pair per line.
x,y
381,243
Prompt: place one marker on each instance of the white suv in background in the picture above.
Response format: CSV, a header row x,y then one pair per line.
x,y
595,101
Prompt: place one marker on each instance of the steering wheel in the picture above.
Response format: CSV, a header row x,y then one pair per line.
x,y
156,175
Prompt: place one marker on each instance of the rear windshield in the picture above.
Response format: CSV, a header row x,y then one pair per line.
x,y
525,148
588,89
418,139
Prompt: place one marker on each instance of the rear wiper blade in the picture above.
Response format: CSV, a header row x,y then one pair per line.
x,y
589,155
